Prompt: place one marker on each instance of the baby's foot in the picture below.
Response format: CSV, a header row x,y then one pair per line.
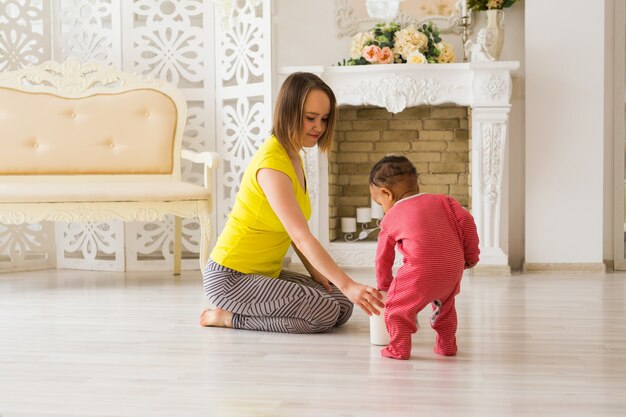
x,y
389,352
216,318
440,351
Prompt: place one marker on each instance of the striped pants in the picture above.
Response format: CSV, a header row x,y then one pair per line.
x,y
408,294
291,303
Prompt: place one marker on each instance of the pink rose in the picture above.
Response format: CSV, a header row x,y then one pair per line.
x,y
385,56
371,53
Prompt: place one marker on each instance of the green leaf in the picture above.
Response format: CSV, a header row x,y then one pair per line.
x,y
384,36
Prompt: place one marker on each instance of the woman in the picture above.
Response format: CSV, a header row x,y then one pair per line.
x,y
244,278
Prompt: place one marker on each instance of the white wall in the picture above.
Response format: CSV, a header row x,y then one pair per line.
x,y
564,131
615,36
304,33
513,50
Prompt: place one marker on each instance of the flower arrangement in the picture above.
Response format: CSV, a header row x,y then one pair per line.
x,y
388,43
480,5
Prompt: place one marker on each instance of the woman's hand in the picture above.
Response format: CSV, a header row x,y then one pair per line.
x,y
367,298
323,281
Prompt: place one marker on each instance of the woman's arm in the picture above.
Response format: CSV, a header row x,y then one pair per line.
x,y
278,189
319,278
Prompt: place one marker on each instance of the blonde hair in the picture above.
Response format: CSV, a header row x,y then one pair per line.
x,y
289,110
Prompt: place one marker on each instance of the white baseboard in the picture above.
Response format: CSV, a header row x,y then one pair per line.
x,y
491,270
564,267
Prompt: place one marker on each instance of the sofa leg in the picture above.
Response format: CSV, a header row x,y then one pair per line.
x,y
205,235
178,244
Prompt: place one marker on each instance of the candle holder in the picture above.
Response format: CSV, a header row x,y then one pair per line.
x,y
364,216
465,21
364,233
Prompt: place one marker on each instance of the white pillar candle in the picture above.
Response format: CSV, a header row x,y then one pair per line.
x,y
463,8
376,211
348,224
378,330
363,215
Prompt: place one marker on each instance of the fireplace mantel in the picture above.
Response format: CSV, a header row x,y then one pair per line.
x,y
484,86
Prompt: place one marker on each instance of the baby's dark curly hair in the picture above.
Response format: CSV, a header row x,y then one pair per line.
x,y
391,170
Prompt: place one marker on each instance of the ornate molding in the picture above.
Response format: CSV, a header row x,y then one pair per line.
x,y
13,217
395,91
354,257
495,87
73,77
492,163
311,167
358,255
96,212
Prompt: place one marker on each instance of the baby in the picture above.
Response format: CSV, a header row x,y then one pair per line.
x,y
438,240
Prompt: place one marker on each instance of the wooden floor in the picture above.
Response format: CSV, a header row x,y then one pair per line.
x,y
80,343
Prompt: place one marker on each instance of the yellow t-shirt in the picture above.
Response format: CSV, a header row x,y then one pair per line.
x,y
254,240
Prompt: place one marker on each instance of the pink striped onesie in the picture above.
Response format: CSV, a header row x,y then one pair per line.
x,y
438,239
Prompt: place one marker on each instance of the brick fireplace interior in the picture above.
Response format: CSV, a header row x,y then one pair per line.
x,y
434,138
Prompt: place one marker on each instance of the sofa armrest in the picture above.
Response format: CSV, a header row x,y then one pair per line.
x,y
211,161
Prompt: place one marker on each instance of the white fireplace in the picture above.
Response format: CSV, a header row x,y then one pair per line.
x,y
483,86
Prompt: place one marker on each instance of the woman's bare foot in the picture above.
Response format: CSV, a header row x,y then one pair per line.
x,y
216,318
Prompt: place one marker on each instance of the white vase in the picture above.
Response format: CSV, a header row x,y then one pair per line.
x,y
378,329
494,33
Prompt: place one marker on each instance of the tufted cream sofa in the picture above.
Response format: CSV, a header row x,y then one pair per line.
x,y
83,143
